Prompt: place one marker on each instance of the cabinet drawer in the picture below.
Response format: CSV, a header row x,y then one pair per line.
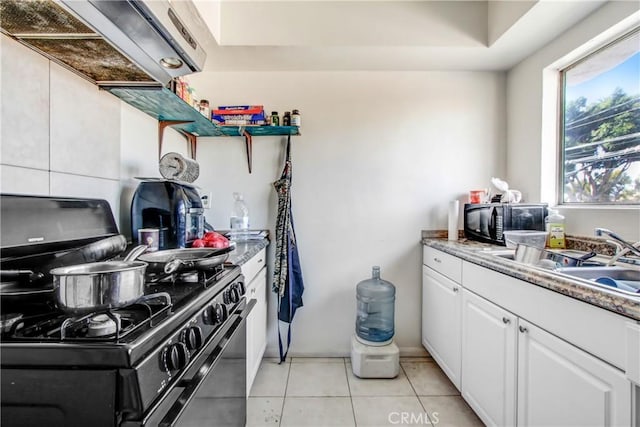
x,y
254,265
445,264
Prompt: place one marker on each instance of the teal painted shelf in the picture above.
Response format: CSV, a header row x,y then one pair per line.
x,y
163,105
260,130
166,107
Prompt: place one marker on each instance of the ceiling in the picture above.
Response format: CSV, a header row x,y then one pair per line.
x,y
387,35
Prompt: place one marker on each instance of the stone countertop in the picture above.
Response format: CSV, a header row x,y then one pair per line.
x,y
479,253
246,250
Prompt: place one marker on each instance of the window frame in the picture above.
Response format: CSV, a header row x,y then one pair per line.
x,y
560,137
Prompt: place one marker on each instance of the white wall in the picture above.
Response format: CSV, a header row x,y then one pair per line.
x,y
381,154
531,125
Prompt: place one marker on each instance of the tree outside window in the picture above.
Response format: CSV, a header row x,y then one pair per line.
x,y
601,125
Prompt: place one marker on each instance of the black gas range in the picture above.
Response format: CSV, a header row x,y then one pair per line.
x,y
177,356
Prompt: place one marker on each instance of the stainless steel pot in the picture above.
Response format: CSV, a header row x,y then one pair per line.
x,y
548,259
99,286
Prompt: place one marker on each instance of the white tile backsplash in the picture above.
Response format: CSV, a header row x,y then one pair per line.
x,y
60,133
69,185
85,127
23,180
24,106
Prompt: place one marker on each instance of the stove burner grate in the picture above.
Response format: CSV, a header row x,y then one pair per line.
x,y
106,326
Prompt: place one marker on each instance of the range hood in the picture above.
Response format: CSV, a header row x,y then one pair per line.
x,y
112,42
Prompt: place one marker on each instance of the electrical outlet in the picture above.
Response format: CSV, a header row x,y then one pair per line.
x,y
206,201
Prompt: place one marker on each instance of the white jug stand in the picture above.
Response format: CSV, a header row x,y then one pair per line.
x,y
374,361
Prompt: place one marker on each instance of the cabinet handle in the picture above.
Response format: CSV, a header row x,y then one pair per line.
x,y
259,261
506,321
455,289
437,260
523,329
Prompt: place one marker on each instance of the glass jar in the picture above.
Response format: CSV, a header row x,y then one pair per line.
x,y
275,119
286,120
204,108
295,118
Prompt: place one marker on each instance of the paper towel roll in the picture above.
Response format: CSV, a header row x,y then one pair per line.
x,y
454,209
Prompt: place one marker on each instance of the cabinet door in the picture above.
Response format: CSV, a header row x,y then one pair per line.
x,y
489,336
256,325
561,385
441,300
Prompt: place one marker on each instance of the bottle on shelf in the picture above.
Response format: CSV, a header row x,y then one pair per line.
x,y
295,118
204,108
286,120
275,119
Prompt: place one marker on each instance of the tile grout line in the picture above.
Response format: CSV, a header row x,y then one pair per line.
x,y
284,398
353,409
416,393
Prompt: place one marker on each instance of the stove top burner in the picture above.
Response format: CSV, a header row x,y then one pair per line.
x,y
111,325
103,325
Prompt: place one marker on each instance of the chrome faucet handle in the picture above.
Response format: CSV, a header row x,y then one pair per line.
x,y
619,240
617,245
619,254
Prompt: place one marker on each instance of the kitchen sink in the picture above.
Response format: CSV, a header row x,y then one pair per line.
x,y
511,254
591,273
502,253
615,278
619,278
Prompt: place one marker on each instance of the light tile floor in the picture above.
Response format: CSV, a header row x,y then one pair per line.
x,y
325,392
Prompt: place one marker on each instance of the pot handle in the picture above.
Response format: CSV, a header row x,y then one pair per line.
x,y
135,253
588,256
177,264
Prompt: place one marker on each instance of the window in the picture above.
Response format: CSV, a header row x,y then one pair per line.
x,y
600,132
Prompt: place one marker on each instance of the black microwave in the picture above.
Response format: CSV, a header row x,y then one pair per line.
x,y
485,222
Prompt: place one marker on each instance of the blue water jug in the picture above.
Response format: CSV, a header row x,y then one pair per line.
x,y
375,319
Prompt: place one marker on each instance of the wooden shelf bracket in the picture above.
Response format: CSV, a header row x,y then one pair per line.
x,y
192,139
248,142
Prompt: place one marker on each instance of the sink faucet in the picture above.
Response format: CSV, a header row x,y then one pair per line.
x,y
620,243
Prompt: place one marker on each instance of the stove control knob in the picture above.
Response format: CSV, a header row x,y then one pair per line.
x,y
209,315
176,356
222,313
240,287
214,314
226,296
192,337
234,295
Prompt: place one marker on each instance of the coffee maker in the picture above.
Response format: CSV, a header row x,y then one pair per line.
x,y
173,207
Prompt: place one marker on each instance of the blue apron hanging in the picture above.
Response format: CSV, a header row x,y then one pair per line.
x,y
287,281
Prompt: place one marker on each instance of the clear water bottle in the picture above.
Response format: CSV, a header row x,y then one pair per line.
x,y
239,220
375,319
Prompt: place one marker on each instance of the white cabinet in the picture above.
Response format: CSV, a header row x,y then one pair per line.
x,y
489,342
561,385
522,355
255,275
441,321
516,373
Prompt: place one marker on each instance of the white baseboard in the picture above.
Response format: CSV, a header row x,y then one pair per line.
x,y
404,352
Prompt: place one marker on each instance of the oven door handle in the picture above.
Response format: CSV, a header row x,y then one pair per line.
x,y
191,387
